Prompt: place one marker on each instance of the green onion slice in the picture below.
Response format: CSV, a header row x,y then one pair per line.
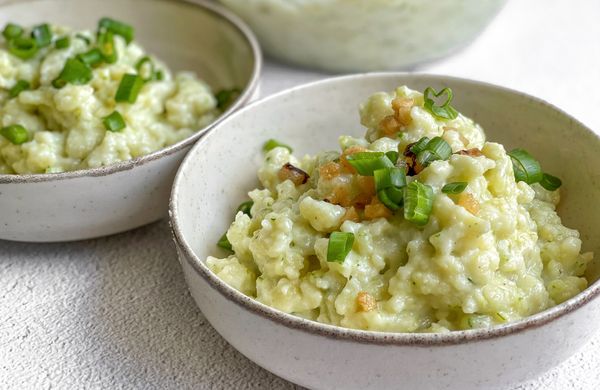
x,y
114,122
272,144
159,75
226,96
393,156
340,244
454,188
19,87
418,203
106,44
22,47
16,134
389,177
387,201
246,207
525,167
549,182
12,31
224,243
366,163
91,57
85,39
42,35
419,146
62,43
74,72
396,195
129,88
440,148
444,111
116,27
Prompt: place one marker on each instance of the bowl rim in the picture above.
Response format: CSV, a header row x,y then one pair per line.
x,y
186,253
250,88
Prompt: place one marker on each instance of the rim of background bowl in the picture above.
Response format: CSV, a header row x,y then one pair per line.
x,y
249,89
366,336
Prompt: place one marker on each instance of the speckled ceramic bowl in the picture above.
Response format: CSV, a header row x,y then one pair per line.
x,y
207,191
201,37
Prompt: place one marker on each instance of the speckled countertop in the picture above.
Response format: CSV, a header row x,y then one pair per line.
x,y
115,312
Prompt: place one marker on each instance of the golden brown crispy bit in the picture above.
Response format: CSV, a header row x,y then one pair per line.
x,y
347,152
290,172
468,201
376,209
330,170
402,107
389,125
410,160
470,152
351,215
365,301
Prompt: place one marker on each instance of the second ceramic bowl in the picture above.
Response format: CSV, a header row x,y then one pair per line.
x,y
200,37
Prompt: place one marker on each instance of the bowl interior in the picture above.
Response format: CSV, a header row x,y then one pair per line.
x,y
221,168
185,36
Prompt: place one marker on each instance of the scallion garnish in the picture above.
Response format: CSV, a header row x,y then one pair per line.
x,y
106,44
419,146
454,188
16,134
245,207
272,144
549,182
225,97
387,201
116,27
62,43
91,57
85,39
340,244
145,68
19,87
392,155
159,75
418,203
12,31
429,150
444,111
74,72
42,35
22,47
366,163
525,167
129,88
224,243
389,177
114,122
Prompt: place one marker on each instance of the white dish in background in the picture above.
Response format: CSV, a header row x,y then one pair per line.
x,y
216,175
200,37
364,35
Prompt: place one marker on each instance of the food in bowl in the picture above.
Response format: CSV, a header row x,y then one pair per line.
x,y
352,35
72,100
420,226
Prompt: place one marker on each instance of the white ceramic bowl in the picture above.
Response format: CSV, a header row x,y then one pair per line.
x,y
364,35
221,168
89,203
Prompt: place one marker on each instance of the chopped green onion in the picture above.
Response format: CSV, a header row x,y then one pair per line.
x,y
445,111
42,35
159,75
106,44
440,148
525,167
396,195
549,182
418,203
62,43
454,188
114,122
19,87
16,134
22,47
129,88
91,57
366,163
224,243
116,27
426,157
246,207
272,144
150,73
419,146
387,201
389,177
74,72
87,40
392,155
225,97
340,244
12,31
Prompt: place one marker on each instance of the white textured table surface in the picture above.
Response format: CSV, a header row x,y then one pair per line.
x,y
115,312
